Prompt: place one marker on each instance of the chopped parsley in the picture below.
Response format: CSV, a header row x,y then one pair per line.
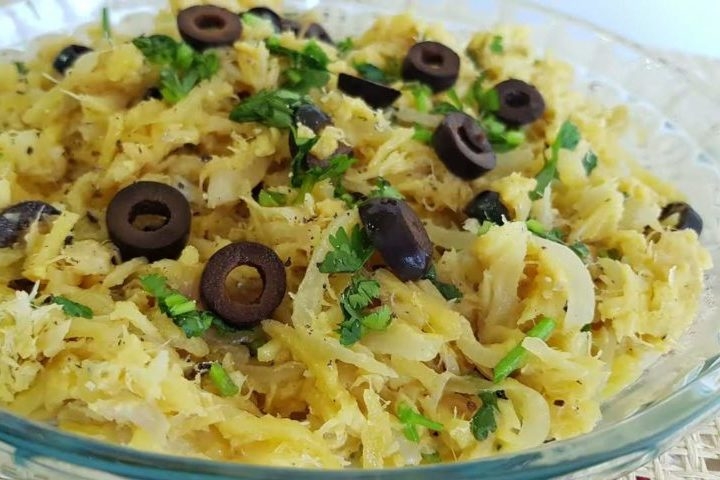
x,y
411,419
589,162
556,235
72,309
181,310
337,166
383,189
567,138
106,24
447,290
486,100
496,45
308,67
350,252
222,380
358,302
516,357
422,134
370,72
268,198
181,67
345,45
422,94
586,328
274,108
483,422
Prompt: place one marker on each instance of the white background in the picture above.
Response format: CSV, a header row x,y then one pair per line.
x,y
690,26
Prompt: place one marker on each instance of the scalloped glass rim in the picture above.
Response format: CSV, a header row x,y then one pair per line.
x,y
675,395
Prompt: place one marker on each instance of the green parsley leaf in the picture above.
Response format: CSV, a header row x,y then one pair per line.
x,y
361,294
308,67
483,422
370,72
567,138
501,138
252,20
447,290
344,46
21,68
516,357
181,67
274,108
350,252
487,100
445,108
455,99
586,328
496,45
422,134
222,380
268,198
580,249
422,94
179,308
589,162
337,166
383,189
411,419
72,309
106,24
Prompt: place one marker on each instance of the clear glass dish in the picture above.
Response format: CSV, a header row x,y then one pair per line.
x,y
678,137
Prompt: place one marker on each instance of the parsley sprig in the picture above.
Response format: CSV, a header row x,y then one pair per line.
x,y
181,310
72,309
358,302
181,67
411,419
567,138
383,189
308,67
274,108
350,251
483,422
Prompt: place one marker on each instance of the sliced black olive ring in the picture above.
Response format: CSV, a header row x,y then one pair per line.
x,y
375,94
463,146
520,102
432,63
315,30
16,218
398,234
487,206
271,271
67,57
155,201
687,217
206,26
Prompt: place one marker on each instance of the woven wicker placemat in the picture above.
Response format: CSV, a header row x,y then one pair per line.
x,y
696,456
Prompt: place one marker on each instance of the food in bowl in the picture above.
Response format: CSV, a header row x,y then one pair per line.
x,y
237,238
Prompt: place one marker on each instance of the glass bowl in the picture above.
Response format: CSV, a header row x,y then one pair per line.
x,y
678,126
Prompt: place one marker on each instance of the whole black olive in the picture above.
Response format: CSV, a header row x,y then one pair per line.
x,y
16,218
269,15
463,146
165,238
224,261
432,63
488,207
315,30
687,217
398,234
375,94
67,57
206,26
520,102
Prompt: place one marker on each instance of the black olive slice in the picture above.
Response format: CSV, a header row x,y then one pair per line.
x,y
463,146
398,234
269,15
291,25
315,30
67,57
432,63
375,94
16,218
224,261
168,227
520,102
488,207
312,117
206,26
687,217
21,284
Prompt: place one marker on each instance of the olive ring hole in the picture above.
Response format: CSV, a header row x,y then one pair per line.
x,y
244,284
432,59
472,141
210,22
517,99
149,215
